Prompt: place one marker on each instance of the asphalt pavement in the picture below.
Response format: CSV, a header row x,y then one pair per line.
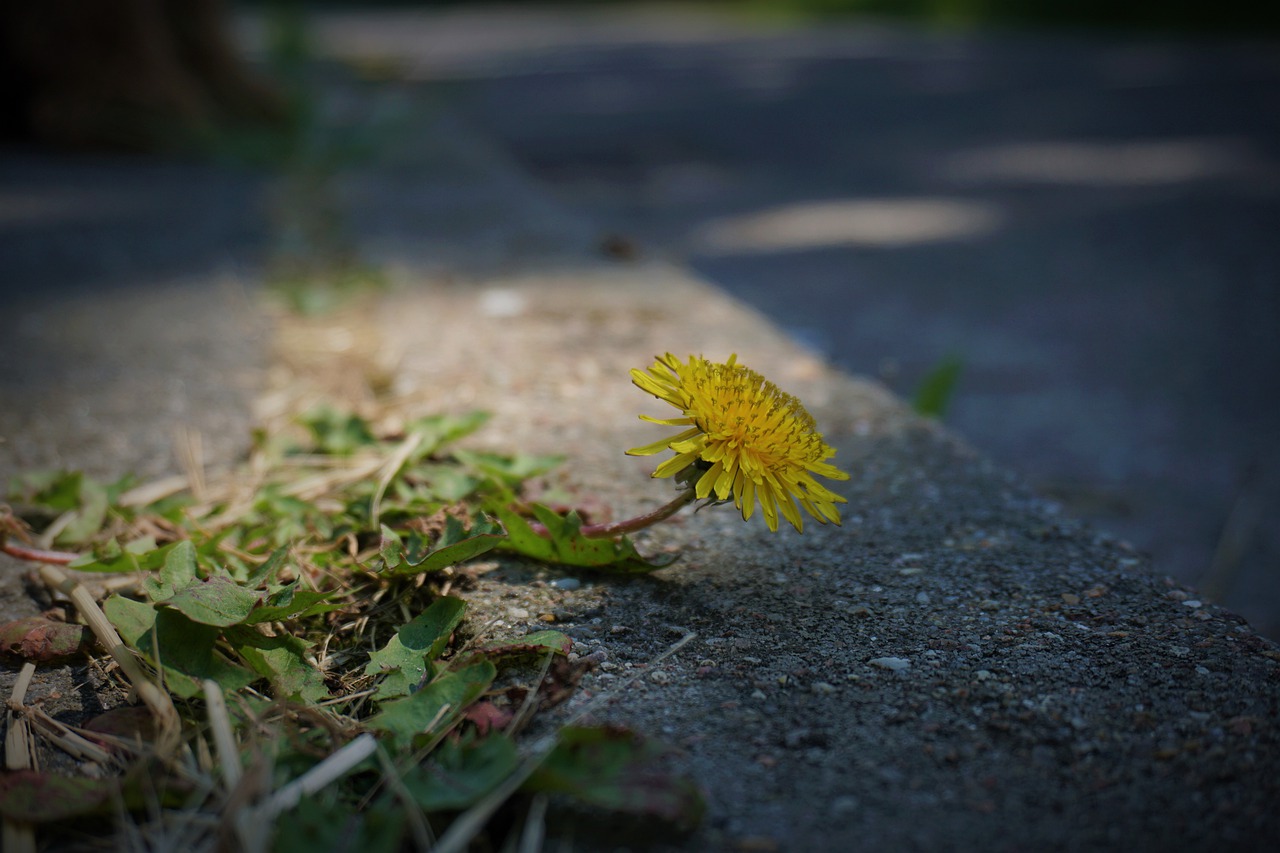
x,y
1085,221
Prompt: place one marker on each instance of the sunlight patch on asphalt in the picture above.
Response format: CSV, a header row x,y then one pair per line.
x,y
1128,163
885,222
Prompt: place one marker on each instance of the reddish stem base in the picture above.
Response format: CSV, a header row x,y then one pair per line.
x,y
631,525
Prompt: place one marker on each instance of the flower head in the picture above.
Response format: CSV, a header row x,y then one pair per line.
x,y
745,438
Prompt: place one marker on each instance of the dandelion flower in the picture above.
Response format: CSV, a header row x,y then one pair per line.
x,y
745,440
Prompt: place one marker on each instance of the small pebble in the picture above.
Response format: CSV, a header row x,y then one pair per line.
x,y
566,584
922,598
518,613
1192,603
659,677
893,664
844,806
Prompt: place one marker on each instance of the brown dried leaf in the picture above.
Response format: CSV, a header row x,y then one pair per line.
x,y
128,722
43,641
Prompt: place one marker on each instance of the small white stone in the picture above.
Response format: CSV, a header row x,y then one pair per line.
x,y
502,302
893,664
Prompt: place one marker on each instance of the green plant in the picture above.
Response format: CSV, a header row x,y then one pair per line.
x,y
934,393
287,616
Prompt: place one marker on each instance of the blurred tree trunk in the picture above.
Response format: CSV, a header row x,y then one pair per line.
x,y
132,74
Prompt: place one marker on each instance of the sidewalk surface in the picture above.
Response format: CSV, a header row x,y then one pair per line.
x,y
961,665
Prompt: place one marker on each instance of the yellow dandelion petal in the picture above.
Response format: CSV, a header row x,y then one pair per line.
x,y
769,506
747,440
708,480
675,465
649,449
667,421
745,499
787,506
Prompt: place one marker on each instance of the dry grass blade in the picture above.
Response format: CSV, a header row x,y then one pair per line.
x,y
168,724
190,448
310,488
389,470
224,740
253,825
305,488
323,774
19,754
535,826
149,493
525,711
62,736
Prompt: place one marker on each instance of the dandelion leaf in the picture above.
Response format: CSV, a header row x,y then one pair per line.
x,y
183,650
616,769
32,796
460,774
535,643
434,708
405,659
282,661
289,602
216,601
337,433
325,822
139,555
80,501
438,430
178,571
416,554
565,545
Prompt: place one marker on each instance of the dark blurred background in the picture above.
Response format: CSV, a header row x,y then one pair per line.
x,y
1051,224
